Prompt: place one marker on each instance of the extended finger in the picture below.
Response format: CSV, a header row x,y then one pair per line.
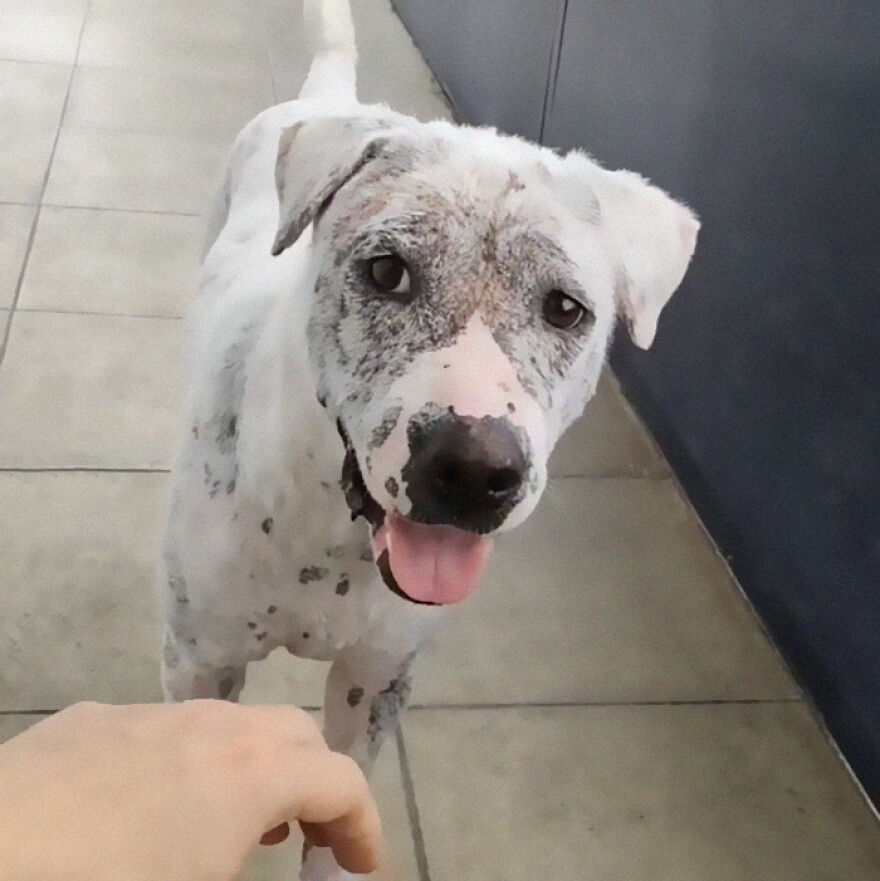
x,y
337,810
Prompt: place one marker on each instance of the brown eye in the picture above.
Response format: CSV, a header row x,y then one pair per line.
x,y
389,273
561,311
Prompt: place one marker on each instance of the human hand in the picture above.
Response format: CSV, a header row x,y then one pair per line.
x,y
174,792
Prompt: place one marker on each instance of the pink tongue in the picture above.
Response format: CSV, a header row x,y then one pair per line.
x,y
435,564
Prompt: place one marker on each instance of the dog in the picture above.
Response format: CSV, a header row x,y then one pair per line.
x,y
395,323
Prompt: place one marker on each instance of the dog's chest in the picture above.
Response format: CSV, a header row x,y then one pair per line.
x,y
289,567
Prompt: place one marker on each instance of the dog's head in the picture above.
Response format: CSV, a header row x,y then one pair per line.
x,y
465,288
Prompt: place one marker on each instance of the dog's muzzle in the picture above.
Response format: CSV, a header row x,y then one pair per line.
x,y
464,471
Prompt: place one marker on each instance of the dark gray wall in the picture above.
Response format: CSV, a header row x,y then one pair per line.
x,y
521,39
764,384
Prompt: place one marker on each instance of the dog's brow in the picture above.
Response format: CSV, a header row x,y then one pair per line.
x,y
391,233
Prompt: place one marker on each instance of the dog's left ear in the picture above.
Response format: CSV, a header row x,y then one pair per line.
x,y
654,237
315,158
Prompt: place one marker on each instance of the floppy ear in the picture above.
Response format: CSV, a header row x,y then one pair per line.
x,y
315,158
654,237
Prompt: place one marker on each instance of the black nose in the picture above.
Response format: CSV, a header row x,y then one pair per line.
x,y
464,471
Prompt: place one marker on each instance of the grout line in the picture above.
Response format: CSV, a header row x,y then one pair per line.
x,y
75,469
610,475
726,562
445,94
264,30
38,310
5,59
412,809
120,210
542,705
553,70
28,712
4,340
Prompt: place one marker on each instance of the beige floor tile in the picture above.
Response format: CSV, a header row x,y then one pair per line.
x,y
391,70
77,608
284,679
188,38
159,102
131,263
281,863
287,49
40,30
15,723
685,793
610,592
607,441
109,169
15,228
90,391
30,110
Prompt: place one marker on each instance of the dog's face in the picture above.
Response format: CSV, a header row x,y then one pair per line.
x,y
466,286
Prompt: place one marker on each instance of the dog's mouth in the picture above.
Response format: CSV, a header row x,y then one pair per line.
x,y
425,564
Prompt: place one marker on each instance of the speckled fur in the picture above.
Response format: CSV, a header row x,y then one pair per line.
x,y
260,548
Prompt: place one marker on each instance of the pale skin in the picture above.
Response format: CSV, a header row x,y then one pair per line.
x,y
158,792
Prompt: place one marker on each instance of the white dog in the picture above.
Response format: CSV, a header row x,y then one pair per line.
x,y
379,376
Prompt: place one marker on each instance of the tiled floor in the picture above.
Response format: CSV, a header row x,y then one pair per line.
x,y
606,706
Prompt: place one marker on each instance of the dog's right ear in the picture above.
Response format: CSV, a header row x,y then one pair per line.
x,y
315,158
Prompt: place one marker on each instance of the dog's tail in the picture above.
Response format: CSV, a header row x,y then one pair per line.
x,y
330,33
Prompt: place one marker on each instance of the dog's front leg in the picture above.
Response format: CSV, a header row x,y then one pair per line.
x,y
366,691
197,661
189,672
187,675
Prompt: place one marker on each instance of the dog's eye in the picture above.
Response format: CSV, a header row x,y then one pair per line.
x,y
389,273
561,311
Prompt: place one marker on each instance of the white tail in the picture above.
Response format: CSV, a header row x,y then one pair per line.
x,y
330,32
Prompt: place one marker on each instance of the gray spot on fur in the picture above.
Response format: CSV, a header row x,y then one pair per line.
x,y
312,573
223,427
271,610
342,585
469,258
514,184
385,427
392,487
355,695
252,625
227,434
267,525
212,483
259,637
386,706
170,655
366,555
230,487
225,686
177,586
